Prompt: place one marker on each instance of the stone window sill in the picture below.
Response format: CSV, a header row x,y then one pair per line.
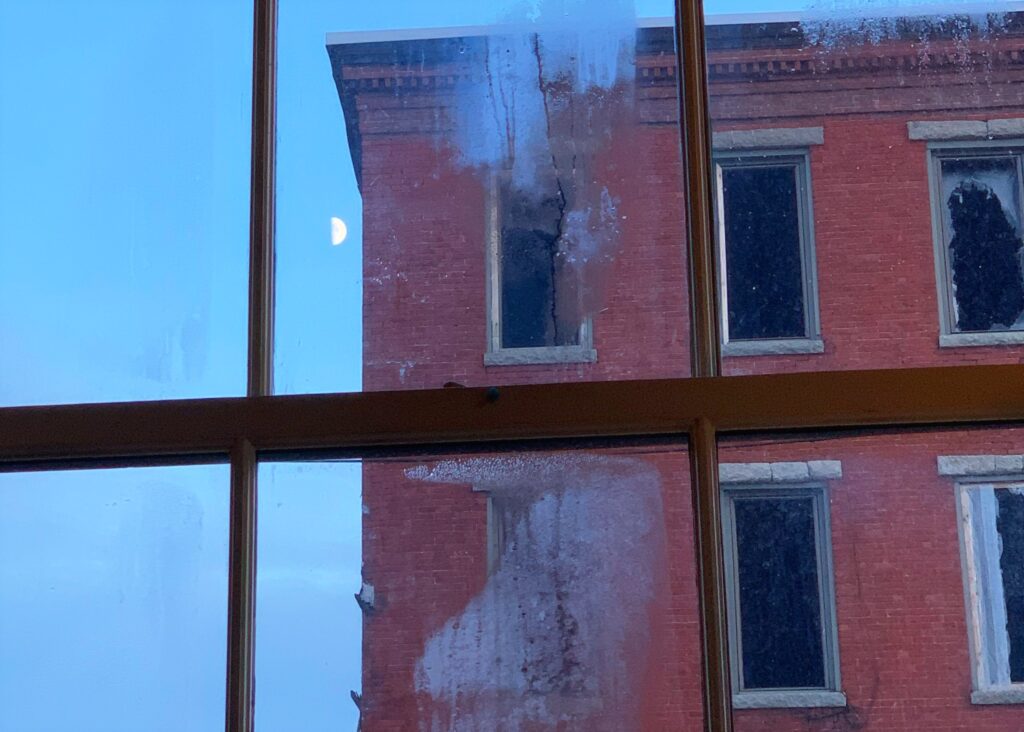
x,y
988,338
543,355
780,347
788,699
1007,695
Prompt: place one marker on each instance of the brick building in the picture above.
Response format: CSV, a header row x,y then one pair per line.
x,y
869,214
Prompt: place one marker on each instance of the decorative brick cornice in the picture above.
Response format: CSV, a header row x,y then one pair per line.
x,y
751,65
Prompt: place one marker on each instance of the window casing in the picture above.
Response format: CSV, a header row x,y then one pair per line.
x,y
534,313
977,212
768,294
992,548
753,518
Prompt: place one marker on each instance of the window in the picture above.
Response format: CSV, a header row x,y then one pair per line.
x,y
266,427
993,547
535,309
768,291
782,620
977,214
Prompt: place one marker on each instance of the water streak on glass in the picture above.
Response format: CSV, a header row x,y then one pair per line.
x,y
505,174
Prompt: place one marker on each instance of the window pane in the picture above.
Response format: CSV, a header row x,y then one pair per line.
x,y
908,119
1010,527
779,595
869,565
763,266
308,627
124,199
113,599
981,232
502,186
523,590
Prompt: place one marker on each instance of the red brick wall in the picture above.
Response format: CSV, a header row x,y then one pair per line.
x,y
902,632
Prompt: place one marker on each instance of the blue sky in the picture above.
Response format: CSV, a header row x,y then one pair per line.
x,y
124,164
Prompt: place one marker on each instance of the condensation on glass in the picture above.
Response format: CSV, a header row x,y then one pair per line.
x,y
506,189
874,578
868,183
124,200
530,590
309,597
113,599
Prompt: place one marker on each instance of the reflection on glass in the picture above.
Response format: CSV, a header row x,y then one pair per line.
x,y
511,175
124,199
308,626
113,600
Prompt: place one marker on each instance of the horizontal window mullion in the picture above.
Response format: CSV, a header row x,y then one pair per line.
x,y
949,395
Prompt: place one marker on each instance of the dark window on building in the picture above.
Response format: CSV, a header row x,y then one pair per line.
x,y
779,593
981,232
763,250
1010,525
537,297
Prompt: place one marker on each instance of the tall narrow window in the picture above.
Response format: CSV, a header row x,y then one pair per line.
x,y
535,309
764,231
994,559
783,628
979,213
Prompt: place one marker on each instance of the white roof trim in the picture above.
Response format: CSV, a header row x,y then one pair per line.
x,y
896,11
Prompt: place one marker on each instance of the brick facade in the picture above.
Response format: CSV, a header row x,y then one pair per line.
x,y
899,581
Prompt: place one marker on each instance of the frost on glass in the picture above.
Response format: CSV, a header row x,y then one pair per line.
x,y
113,600
546,97
839,24
516,177
559,633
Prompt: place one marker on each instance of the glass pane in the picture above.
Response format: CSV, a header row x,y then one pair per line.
x,y
763,262
900,242
124,199
502,186
779,599
113,599
871,565
308,626
547,590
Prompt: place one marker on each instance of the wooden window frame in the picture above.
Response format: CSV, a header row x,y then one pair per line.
x,y
261,426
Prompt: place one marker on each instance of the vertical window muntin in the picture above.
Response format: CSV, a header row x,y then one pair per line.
x,y
580,351
799,161
939,153
818,494
978,596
